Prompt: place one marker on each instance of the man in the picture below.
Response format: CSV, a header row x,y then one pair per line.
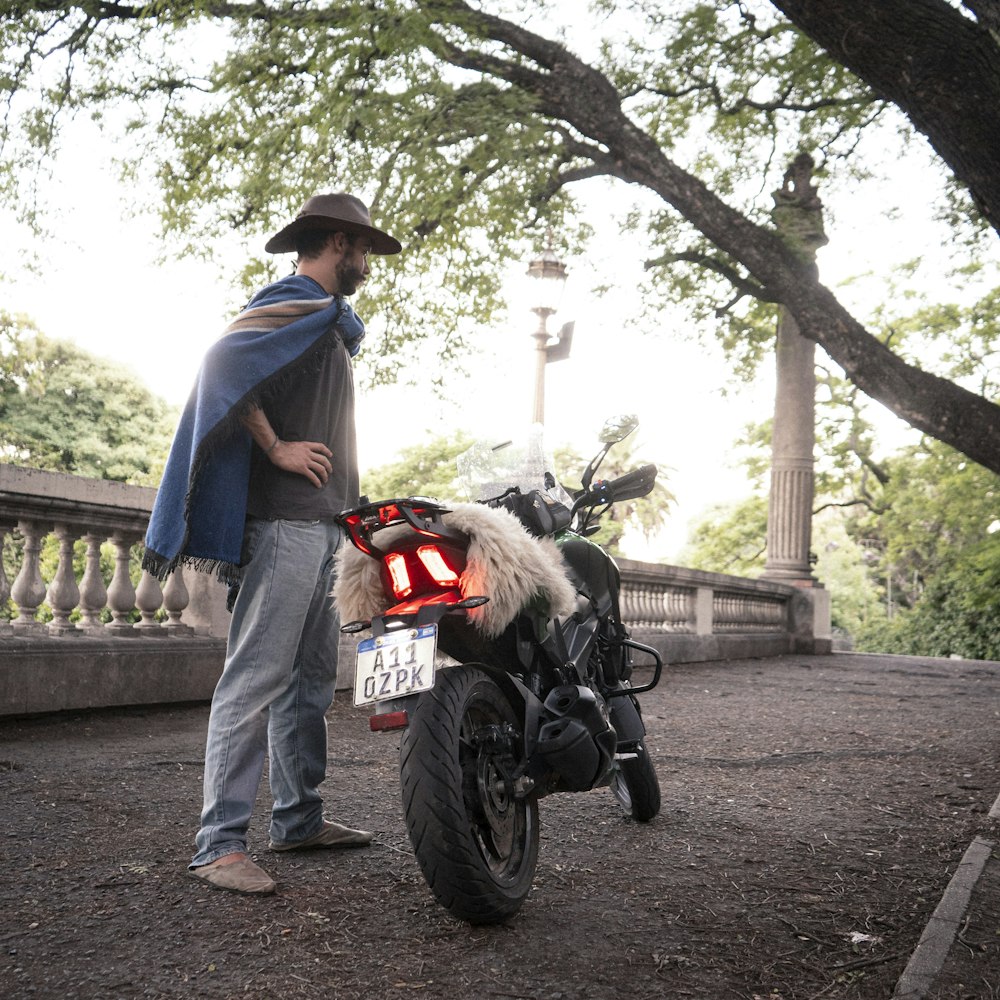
x,y
263,459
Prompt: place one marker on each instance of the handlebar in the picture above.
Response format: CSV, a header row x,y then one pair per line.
x,y
632,485
636,483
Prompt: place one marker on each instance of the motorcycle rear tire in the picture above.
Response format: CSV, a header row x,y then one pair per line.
x,y
475,842
636,786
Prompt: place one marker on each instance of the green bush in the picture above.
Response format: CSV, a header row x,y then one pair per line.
x,y
957,615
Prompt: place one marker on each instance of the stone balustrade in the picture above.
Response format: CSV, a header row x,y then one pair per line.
x,y
35,504
174,651
692,615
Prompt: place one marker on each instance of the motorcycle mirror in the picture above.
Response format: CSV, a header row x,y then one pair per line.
x,y
615,429
618,428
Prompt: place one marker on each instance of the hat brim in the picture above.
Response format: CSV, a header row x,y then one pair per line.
x,y
284,241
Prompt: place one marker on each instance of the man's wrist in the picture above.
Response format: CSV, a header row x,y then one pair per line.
x,y
274,444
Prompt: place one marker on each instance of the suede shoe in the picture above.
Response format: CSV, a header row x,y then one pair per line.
x,y
330,835
239,876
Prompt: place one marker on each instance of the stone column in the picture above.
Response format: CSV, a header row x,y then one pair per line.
x,y
148,600
798,217
175,600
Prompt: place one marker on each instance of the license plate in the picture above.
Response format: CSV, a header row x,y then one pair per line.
x,y
395,664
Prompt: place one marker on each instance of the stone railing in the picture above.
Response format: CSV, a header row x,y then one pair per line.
x,y
174,651
36,504
690,615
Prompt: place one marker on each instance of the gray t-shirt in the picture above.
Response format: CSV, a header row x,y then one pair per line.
x,y
315,405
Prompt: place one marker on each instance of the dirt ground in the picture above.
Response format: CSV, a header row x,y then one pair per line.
x,y
815,809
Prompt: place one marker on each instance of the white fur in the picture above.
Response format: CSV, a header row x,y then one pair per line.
x,y
505,564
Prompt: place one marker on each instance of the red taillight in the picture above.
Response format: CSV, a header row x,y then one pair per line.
x,y
399,575
440,571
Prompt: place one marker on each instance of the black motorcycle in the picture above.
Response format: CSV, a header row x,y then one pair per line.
x,y
497,648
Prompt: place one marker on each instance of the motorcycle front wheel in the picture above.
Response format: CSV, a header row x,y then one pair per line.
x,y
476,842
636,786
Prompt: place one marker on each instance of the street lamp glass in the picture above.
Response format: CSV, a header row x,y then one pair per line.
x,y
550,271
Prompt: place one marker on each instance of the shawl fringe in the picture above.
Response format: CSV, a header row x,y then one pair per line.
x,y
161,567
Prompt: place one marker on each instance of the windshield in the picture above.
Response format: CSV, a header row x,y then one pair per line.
x,y
491,467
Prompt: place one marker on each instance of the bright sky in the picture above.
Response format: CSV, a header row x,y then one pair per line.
x,y
103,287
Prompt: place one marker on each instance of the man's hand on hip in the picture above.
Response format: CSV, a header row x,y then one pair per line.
x,y
307,458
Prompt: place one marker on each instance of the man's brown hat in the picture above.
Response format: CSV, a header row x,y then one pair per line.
x,y
341,213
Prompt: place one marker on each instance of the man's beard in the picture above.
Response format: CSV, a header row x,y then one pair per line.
x,y
349,278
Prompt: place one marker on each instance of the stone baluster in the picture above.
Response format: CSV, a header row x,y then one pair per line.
x,y
668,599
639,604
678,610
175,600
93,593
148,599
28,591
656,606
5,626
627,603
663,613
734,608
121,593
720,611
687,611
63,593
649,605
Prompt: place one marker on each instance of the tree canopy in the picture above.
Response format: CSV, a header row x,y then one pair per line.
x,y
426,470
469,131
64,410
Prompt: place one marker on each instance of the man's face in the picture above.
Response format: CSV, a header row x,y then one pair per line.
x,y
352,268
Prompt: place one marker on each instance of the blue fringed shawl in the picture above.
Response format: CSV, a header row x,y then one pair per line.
x,y
200,508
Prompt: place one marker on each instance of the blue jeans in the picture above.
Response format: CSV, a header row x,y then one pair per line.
x,y
275,690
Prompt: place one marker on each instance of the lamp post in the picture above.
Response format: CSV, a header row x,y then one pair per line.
x,y
547,291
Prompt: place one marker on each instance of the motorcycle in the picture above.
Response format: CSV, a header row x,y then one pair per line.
x,y
498,651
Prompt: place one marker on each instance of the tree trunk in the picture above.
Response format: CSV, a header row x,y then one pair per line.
x,y
940,68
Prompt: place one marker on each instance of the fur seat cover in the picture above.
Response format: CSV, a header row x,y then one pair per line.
x,y
504,563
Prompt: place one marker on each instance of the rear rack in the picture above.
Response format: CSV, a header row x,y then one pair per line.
x,y
423,514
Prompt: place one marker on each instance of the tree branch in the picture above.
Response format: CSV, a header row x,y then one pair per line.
x,y
716,264
574,92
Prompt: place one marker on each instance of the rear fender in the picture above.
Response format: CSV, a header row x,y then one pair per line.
x,y
425,609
